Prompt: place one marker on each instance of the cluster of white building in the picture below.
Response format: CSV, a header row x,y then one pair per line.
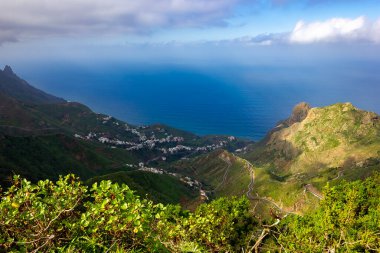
x,y
142,141
106,119
152,142
241,150
191,182
152,170
178,148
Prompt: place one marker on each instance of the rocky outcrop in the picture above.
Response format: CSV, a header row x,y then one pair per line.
x,y
299,113
8,70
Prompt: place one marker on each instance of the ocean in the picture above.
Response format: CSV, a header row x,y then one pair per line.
x,y
230,100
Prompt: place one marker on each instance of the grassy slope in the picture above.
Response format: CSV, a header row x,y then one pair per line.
x,y
157,187
210,170
336,135
15,114
38,157
333,143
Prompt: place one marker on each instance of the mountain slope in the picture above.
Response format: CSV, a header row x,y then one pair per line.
x,y
220,172
326,137
161,188
48,156
313,147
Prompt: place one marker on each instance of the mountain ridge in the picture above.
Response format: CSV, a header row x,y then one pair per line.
x,y
12,85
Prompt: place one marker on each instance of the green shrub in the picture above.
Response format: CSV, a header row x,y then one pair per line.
x,y
348,220
66,216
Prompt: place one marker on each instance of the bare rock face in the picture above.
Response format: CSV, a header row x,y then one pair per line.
x,y
299,113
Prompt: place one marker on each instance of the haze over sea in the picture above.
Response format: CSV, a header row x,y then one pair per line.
x,y
212,99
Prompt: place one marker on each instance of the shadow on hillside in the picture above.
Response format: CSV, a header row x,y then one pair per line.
x,y
280,153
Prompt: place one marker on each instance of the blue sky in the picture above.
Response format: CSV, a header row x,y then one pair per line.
x,y
38,29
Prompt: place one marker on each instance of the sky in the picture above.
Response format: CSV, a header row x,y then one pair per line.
x,y
145,29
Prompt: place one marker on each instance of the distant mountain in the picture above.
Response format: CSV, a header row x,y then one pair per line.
x,y
15,87
315,146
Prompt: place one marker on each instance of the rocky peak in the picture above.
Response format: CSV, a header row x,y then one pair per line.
x,y
299,113
15,87
8,70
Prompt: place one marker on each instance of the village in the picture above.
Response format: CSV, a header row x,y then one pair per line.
x,y
142,141
141,137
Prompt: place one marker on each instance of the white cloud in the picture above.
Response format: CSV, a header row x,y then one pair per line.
x,y
336,30
20,19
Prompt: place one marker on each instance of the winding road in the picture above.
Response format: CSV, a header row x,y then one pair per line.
x,y
249,166
248,193
310,188
252,175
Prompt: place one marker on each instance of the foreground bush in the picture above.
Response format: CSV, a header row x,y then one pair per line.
x,y
67,216
348,220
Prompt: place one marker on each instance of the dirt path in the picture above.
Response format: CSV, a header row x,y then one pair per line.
x,y
310,188
340,173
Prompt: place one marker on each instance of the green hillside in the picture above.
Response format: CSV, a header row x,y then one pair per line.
x,y
48,156
161,188
313,147
220,172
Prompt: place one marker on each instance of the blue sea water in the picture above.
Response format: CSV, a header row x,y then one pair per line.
x,y
240,101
